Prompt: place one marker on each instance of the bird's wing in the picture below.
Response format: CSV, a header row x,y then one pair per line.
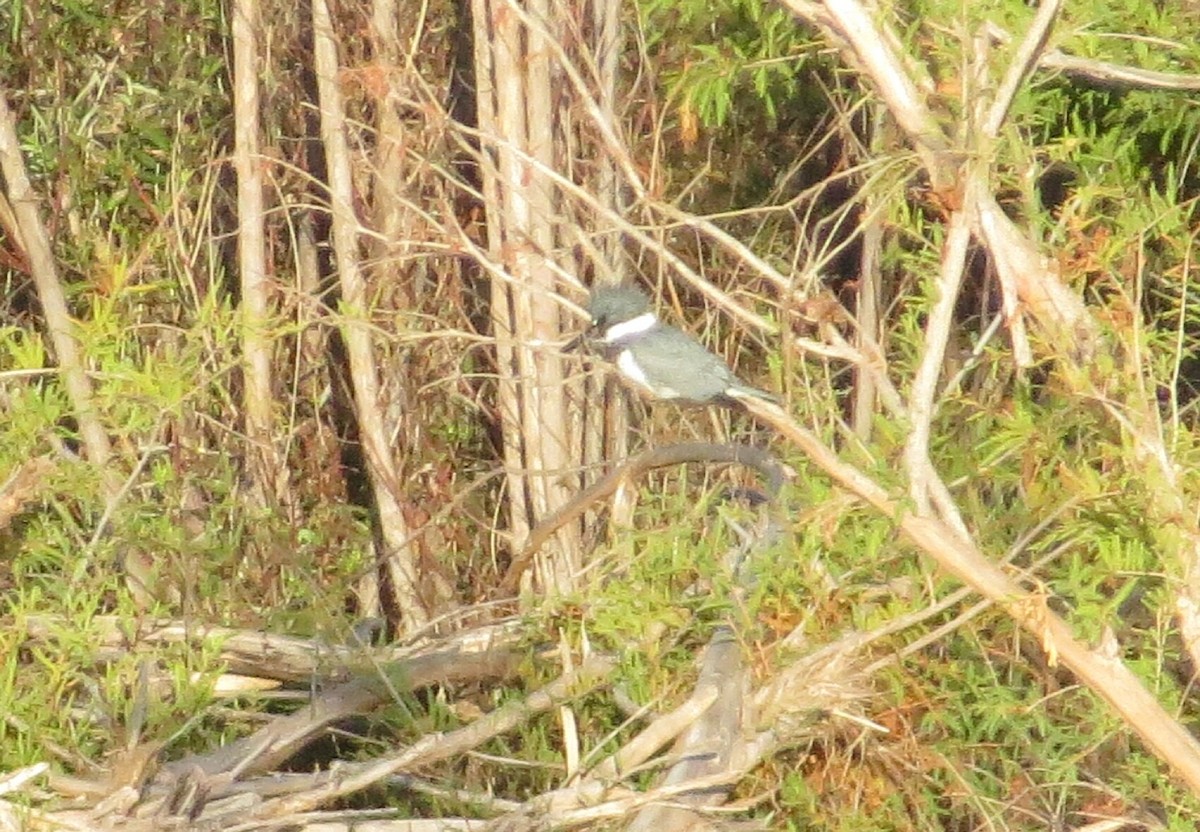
x,y
668,355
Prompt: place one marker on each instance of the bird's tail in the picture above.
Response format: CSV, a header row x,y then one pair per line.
x,y
743,391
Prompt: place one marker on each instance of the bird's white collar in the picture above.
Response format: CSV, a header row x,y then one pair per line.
x,y
634,326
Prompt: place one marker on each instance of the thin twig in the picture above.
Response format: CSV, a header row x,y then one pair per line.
x,y
1023,63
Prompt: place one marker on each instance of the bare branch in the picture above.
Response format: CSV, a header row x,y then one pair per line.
x,y
266,469
352,777
1022,64
873,47
714,746
398,557
657,734
36,242
937,336
1102,670
1105,74
1031,278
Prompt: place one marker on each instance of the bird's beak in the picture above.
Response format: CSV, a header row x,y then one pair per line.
x,y
575,343
584,340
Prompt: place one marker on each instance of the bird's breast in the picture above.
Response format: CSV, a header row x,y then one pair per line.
x,y
632,371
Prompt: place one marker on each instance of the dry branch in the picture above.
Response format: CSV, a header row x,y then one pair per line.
x,y
266,468
1022,65
1030,285
398,557
271,746
518,55
226,788
352,777
1118,76
772,471
923,395
1100,670
235,787
635,233
715,747
269,655
1028,275
874,48
36,243
871,46
374,821
658,733
719,746
32,237
1106,74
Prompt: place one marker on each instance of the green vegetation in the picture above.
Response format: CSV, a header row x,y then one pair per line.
x,y
126,127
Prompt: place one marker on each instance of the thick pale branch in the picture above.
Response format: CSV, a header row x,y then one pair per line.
x,y
539,420
873,48
1103,672
36,242
284,736
714,746
614,149
1027,275
1106,74
1024,272
661,731
266,469
385,480
262,654
433,748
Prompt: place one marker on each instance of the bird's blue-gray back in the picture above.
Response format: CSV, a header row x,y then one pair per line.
x,y
666,354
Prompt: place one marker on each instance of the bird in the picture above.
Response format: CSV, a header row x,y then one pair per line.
x,y
664,363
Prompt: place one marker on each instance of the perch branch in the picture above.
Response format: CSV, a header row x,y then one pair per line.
x,y
772,471
1101,670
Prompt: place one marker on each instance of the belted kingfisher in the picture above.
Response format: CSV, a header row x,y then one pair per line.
x,y
660,360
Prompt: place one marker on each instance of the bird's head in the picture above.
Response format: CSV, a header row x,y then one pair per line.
x,y
619,312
